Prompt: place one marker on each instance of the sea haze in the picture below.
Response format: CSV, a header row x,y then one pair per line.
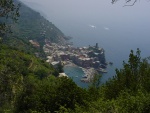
x,y
116,28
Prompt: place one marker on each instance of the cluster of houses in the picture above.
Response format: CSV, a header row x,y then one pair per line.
x,y
86,57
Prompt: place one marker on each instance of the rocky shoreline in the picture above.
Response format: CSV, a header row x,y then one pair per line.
x,y
88,73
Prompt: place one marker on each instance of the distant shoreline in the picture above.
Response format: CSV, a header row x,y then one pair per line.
x,y
69,63
87,72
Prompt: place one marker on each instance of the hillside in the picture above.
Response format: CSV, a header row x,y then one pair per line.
x,y
29,85
15,68
26,86
31,26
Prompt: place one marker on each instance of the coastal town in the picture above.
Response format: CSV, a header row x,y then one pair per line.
x,y
91,59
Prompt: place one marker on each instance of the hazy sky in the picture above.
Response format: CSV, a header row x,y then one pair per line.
x,y
76,17
116,28
91,11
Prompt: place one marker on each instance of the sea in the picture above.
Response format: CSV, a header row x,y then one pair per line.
x,y
115,28
76,73
117,44
117,39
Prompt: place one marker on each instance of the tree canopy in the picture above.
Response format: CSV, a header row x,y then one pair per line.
x,y
27,84
9,9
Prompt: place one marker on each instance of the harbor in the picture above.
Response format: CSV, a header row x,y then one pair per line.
x,y
87,73
80,63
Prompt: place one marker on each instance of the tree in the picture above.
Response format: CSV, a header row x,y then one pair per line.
x,y
94,88
49,95
9,9
126,1
134,76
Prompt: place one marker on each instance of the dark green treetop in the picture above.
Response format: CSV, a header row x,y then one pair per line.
x,y
8,10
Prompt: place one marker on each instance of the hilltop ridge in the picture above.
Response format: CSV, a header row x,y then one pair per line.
x,y
32,26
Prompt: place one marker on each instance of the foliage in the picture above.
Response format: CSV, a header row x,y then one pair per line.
x,y
9,10
27,84
49,95
30,25
133,76
94,88
60,68
14,67
128,2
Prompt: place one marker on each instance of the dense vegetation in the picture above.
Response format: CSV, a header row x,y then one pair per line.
x,y
33,26
30,25
16,68
29,85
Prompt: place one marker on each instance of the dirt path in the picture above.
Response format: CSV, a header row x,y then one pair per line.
x,y
30,64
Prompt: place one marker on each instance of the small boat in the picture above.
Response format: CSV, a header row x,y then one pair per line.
x,y
85,76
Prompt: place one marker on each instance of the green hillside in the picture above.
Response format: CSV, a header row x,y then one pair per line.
x,y
15,68
31,26
26,86
29,85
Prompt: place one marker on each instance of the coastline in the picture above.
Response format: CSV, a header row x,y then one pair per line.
x,y
69,63
88,73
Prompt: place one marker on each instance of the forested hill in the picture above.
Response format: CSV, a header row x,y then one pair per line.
x,y
32,25
29,85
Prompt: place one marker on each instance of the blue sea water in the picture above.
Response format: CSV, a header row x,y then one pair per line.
x,y
76,73
118,29
117,44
